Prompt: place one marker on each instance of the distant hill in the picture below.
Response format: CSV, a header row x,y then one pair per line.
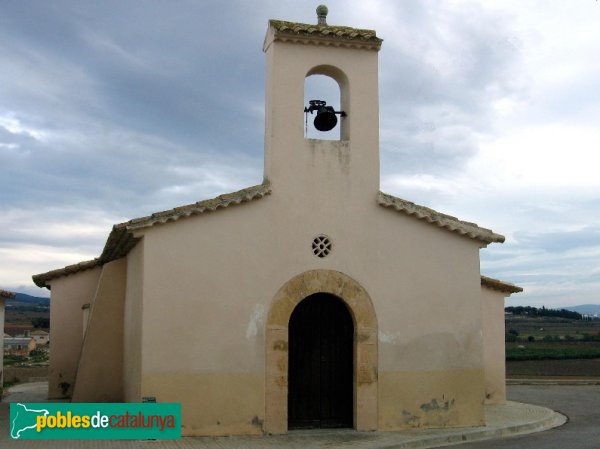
x,y
21,299
585,309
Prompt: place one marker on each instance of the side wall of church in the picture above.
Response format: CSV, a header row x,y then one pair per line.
x,y
100,366
68,295
132,325
492,302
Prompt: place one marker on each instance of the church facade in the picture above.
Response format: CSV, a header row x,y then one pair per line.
x,y
310,300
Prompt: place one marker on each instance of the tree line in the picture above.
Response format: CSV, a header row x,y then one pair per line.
x,y
534,311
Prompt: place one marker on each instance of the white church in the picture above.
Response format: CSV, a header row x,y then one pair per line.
x,y
311,300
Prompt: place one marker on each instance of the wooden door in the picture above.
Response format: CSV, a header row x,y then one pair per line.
x,y
320,387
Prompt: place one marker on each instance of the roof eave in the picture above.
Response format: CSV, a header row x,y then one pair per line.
x,y
500,286
328,35
447,222
42,280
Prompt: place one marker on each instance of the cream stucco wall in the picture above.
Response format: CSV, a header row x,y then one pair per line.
x,y
210,280
493,339
354,172
68,295
132,326
99,373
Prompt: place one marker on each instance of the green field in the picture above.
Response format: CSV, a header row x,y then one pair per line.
x,y
546,338
539,351
541,327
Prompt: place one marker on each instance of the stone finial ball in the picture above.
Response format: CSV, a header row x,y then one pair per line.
x,y
322,10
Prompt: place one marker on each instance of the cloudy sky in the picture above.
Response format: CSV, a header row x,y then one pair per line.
x,y
489,112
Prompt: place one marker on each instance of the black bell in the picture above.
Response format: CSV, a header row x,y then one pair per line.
x,y
325,119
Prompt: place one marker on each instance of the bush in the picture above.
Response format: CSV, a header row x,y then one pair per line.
x,y
510,338
40,322
530,338
37,352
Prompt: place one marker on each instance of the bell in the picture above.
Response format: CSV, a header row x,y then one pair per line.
x,y
325,119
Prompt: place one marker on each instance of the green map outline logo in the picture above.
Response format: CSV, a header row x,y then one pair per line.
x,y
95,421
14,420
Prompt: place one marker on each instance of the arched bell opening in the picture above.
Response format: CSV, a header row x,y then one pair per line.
x,y
325,89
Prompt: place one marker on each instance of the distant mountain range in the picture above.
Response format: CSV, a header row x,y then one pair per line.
x,y
21,299
585,309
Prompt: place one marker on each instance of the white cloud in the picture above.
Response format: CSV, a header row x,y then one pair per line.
x,y
554,155
15,126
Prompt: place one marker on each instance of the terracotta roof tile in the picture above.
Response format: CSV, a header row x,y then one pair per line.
x,y
41,280
325,34
121,239
444,221
500,286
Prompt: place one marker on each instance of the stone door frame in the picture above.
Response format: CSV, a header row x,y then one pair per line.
x,y
365,346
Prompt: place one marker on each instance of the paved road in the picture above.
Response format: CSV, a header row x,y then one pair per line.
x,y
580,403
28,392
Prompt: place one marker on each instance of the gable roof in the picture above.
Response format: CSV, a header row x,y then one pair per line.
x,y
501,286
324,35
121,240
444,221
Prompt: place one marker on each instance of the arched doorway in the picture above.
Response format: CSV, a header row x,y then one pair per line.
x,y
320,371
364,378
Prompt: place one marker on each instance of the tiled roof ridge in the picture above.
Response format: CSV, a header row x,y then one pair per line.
x,y
225,200
121,240
441,220
42,279
6,294
321,34
501,286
